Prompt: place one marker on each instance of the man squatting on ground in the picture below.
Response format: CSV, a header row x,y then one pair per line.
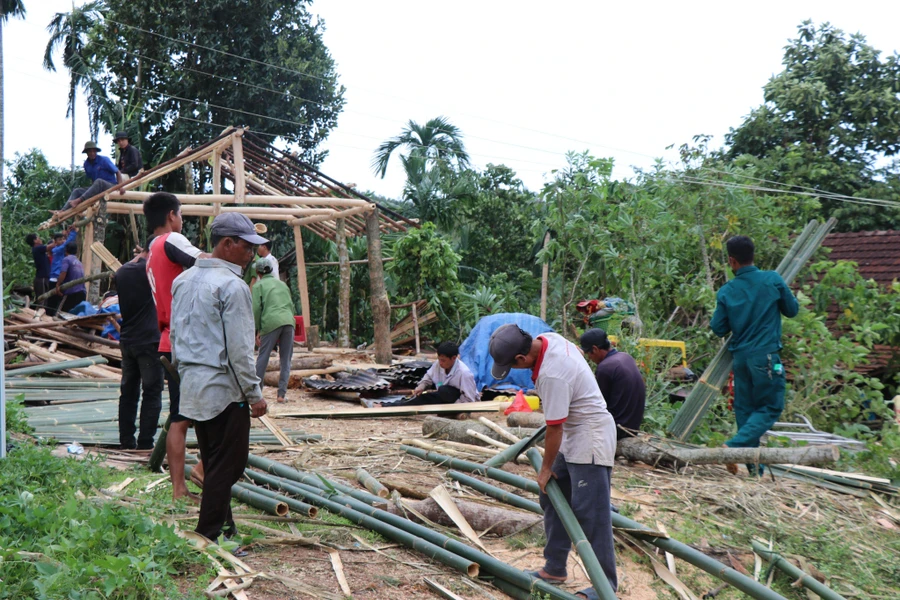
x,y
620,381
273,316
139,342
170,253
451,378
750,308
212,342
579,447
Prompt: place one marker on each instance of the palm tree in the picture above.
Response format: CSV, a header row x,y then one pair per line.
x,y
436,141
69,31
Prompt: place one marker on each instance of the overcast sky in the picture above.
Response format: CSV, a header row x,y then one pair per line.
x,y
525,81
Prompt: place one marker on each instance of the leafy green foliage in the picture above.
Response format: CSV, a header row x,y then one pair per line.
x,y
83,549
827,119
16,419
33,188
168,61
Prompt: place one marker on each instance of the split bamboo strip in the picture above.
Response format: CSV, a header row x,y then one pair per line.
x,y
582,546
804,579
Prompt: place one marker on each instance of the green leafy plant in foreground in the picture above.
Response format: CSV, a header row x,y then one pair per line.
x,y
83,549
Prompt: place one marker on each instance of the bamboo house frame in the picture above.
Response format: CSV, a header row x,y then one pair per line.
x,y
268,185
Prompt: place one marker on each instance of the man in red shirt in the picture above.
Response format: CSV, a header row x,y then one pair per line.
x,y
170,253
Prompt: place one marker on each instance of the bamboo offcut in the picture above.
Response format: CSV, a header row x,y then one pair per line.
x,y
804,579
495,492
292,503
371,484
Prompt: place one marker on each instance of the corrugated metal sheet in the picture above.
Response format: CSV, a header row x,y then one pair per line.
x,y
359,381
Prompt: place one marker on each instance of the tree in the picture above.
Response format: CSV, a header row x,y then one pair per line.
x,y
69,31
827,120
193,67
436,142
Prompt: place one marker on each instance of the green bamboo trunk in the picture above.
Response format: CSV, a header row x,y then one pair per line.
x,y
495,492
473,467
510,453
301,508
371,484
806,580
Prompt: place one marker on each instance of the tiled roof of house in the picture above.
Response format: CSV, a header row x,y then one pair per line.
x,y
876,252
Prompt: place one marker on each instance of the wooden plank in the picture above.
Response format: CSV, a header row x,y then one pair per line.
x,y
394,411
301,275
55,323
106,256
240,181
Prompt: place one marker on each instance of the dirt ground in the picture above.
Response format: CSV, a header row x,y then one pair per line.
x,y
376,568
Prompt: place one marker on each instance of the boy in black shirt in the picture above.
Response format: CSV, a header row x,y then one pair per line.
x,y
138,341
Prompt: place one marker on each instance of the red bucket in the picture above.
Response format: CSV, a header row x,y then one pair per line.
x,y
299,330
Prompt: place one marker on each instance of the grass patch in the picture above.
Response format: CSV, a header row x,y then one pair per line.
x,y
58,542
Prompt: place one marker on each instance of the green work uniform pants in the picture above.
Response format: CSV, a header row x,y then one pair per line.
x,y
758,398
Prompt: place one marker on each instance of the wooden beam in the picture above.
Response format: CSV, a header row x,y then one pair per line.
x,y
545,274
344,290
219,198
106,256
335,263
240,182
381,306
301,275
337,215
426,409
87,257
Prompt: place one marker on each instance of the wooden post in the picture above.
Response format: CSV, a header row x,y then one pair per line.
x,y
545,274
217,178
415,315
240,182
301,277
340,238
87,257
134,229
381,306
98,234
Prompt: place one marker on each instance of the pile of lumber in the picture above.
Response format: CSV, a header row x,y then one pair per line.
x,y
37,339
404,331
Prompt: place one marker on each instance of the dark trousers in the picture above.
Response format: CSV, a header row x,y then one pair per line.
x,y
99,185
53,301
758,398
443,395
70,301
284,338
224,444
41,286
174,386
589,499
141,370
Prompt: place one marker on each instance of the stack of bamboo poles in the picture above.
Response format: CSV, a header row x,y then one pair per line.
x,y
709,388
854,484
90,416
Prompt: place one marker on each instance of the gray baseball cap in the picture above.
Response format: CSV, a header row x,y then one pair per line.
x,y
232,224
263,267
507,342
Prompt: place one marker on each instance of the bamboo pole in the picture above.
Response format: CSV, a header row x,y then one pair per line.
x,y
415,319
391,532
54,367
491,565
495,492
371,484
292,503
301,275
582,546
74,282
514,450
473,467
804,579
266,199
281,470
343,214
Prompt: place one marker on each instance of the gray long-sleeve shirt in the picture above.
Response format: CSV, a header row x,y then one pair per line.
x,y
212,339
459,377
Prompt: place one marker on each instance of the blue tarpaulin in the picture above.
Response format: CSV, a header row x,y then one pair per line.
x,y
474,351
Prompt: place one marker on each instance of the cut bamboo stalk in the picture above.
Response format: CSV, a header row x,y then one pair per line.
x,y
583,547
301,508
516,449
51,368
486,439
372,484
495,492
804,579
501,431
473,467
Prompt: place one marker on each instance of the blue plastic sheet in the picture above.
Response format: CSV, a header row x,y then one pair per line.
x,y
474,351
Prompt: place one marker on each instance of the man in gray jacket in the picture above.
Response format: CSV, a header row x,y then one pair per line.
x,y
212,341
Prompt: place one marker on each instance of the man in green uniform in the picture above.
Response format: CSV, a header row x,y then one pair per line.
x,y
273,315
750,308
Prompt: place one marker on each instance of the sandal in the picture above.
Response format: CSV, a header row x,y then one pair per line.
x,y
548,579
589,593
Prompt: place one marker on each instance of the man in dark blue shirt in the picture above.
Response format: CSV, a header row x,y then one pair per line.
x,y
620,382
57,254
41,264
101,171
750,307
